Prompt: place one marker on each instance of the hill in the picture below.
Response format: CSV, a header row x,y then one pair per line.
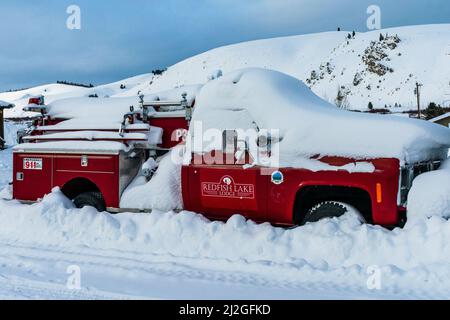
x,y
349,72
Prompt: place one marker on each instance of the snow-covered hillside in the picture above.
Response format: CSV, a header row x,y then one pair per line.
x,y
55,92
362,69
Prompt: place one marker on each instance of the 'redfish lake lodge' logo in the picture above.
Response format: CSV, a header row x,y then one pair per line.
x,y
227,188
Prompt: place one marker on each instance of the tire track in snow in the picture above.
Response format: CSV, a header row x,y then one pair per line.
x,y
138,269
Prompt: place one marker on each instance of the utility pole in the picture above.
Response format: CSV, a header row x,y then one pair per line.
x,y
417,93
2,133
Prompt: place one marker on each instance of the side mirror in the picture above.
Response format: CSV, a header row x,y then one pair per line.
x,y
230,141
264,143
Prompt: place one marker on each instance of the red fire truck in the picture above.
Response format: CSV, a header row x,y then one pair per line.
x,y
93,167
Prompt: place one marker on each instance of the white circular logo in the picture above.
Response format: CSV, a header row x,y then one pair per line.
x,y
277,177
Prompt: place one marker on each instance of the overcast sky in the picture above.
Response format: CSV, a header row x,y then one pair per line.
x,y
119,39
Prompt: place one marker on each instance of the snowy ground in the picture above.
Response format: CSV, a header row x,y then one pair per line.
x,y
184,256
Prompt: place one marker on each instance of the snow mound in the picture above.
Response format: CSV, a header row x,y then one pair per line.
x,y
430,195
328,244
162,192
310,126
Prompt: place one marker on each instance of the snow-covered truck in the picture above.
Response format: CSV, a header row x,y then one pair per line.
x,y
93,159
280,155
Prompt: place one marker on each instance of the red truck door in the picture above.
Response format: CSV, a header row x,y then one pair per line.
x,y
220,190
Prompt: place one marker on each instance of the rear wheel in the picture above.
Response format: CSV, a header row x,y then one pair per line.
x,y
329,209
90,199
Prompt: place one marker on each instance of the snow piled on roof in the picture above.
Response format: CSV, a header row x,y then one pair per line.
x,y
85,124
441,117
112,109
96,109
310,126
73,147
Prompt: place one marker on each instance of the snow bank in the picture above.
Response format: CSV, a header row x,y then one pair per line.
x,y
430,195
162,192
328,244
309,125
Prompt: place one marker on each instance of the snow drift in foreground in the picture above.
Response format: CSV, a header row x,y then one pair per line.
x,y
418,254
309,125
414,261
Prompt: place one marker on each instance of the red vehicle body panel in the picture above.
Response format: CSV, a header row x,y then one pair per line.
x,y
59,169
46,122
274,203
36,100
171,126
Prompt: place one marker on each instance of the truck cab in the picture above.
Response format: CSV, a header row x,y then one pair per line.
x,y
297,195
322,161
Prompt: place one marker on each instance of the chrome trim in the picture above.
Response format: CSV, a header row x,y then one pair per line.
x,y
130,163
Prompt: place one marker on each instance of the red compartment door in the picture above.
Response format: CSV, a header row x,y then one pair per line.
x,y
33,174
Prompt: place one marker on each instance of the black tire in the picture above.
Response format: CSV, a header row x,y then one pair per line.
x,y
90,199
324,210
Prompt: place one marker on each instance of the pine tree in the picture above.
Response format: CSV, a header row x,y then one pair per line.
x,y
370,106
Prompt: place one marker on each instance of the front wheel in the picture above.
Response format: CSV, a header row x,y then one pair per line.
x,y
90,199
330,209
